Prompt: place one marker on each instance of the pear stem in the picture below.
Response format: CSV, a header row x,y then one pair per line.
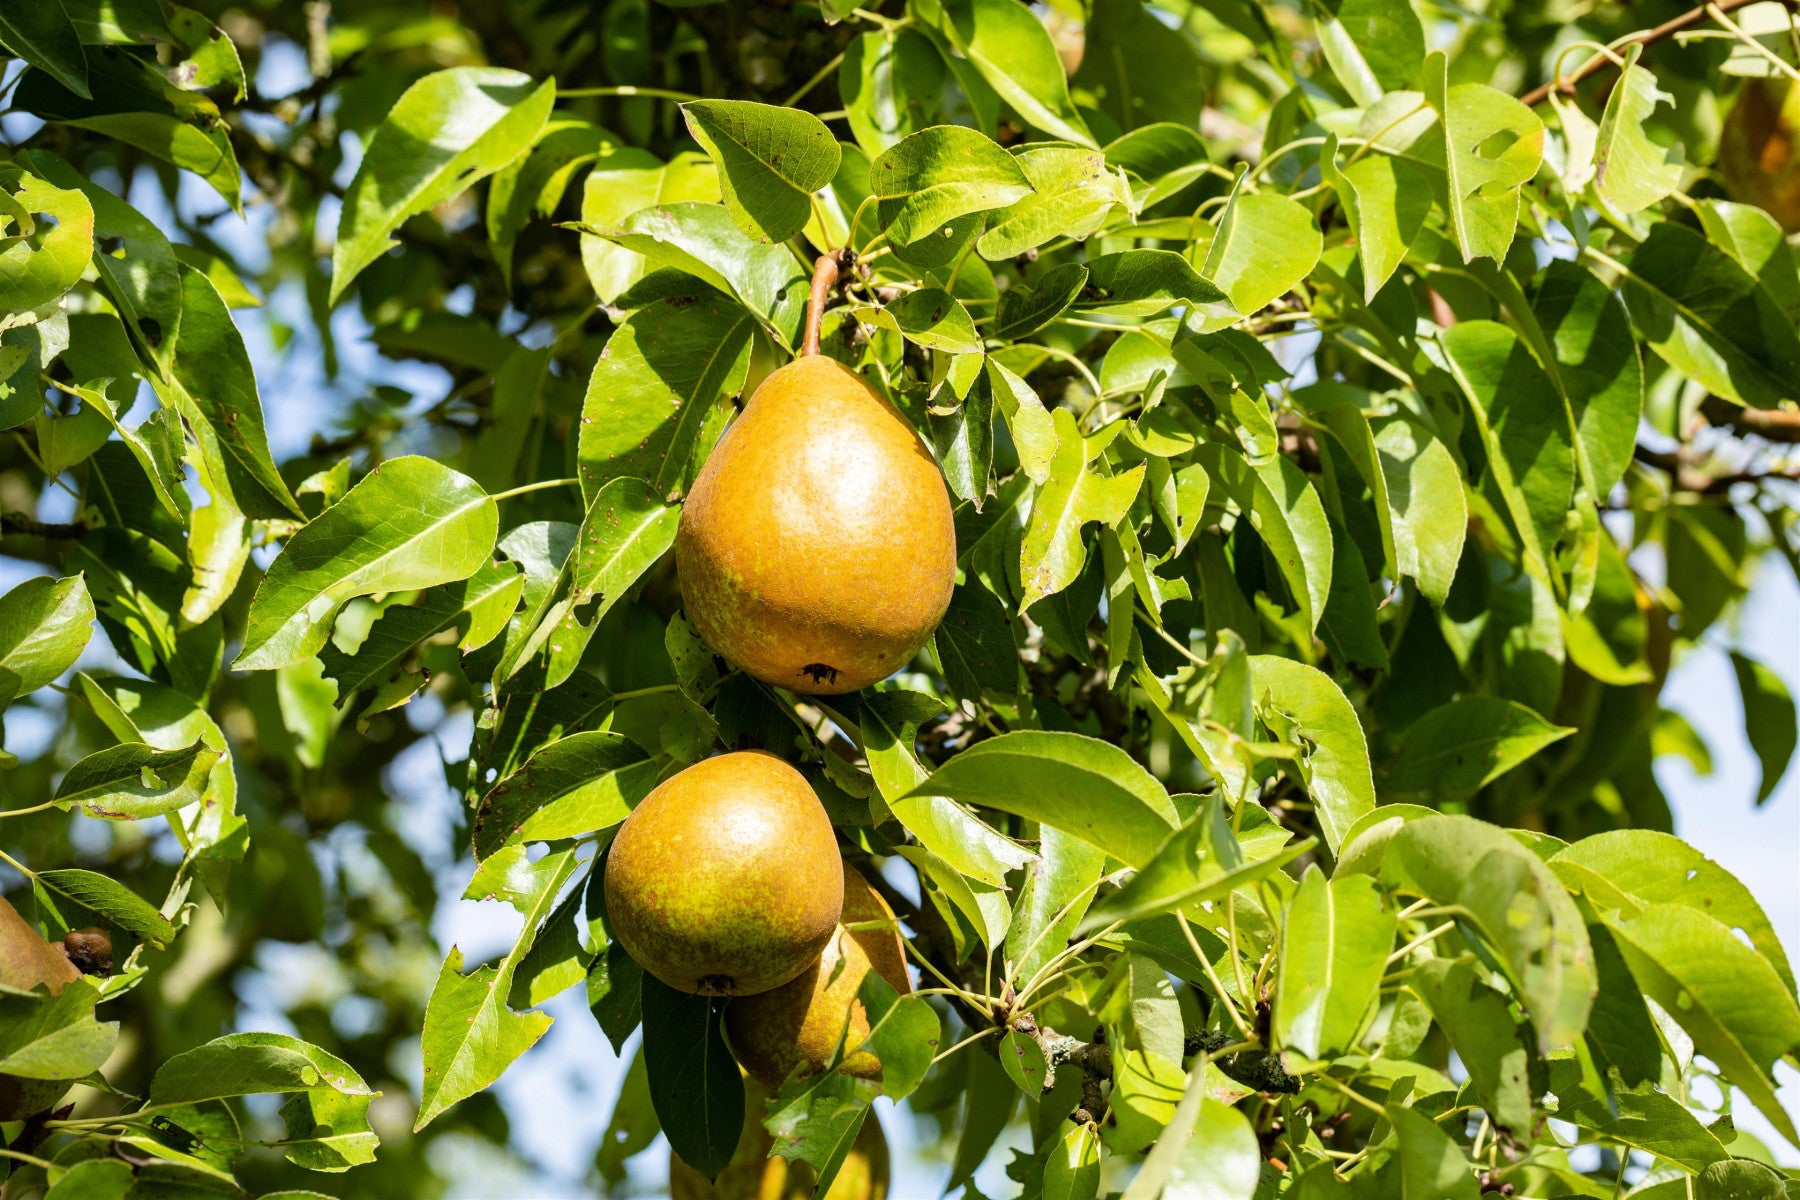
x,y
824,280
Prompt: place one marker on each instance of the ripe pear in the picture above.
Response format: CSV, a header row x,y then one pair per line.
x,y
725,880
1757,151
817,549
800,1023
753,1174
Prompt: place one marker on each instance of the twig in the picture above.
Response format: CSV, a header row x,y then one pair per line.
x,y
1687,20
826,272
13,522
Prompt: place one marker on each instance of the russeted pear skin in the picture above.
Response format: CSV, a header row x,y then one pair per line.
x,y
800,1023
725,880
817,548
754,1173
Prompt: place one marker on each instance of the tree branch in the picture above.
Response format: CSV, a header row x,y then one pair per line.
x,y
13,522
1688,475
1686,20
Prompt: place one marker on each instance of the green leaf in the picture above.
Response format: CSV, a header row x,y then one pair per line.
x,y
1074,192
1490,147
771,160
45,623
1457,749
577,785
1709,318
817,1122
136,102
1596,365
991,1100
626,530
1727,996
1033,429
1768,720
477,608
533,185
1643,1119
1081,785
1219,1158
138,711
52,241
470,1035
133,780
1136,71
975,643
1372,45
112,900
1386,200
1514,902
1312,713
889,725
1335,939
1025,308
447,130
1424,501
213,386
251,1064
42,35
663,374
1531,460
1142,283
1072,1170
1432,1165
54,1037
891,82
410,523
1056,894
701,240
694,1082
624,180
1279,502
1480,1025
1198,863
939,174
1264,245
1014,53
1747,233
1627,869
903,1034
930,317
1631,172
1610,638
1052,553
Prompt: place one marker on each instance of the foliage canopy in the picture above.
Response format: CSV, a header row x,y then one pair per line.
x,y
1352,410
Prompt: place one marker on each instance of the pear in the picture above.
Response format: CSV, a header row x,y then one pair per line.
x,y
725,880
27,960
754,1173
801,1023
817,549
1756,149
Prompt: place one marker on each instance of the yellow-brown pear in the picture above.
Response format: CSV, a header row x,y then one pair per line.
x,y
801,1023
817,549
1757,151
725,880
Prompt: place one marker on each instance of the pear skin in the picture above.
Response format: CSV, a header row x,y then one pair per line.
x,y
817,549
1757,151
800,1023
725,880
